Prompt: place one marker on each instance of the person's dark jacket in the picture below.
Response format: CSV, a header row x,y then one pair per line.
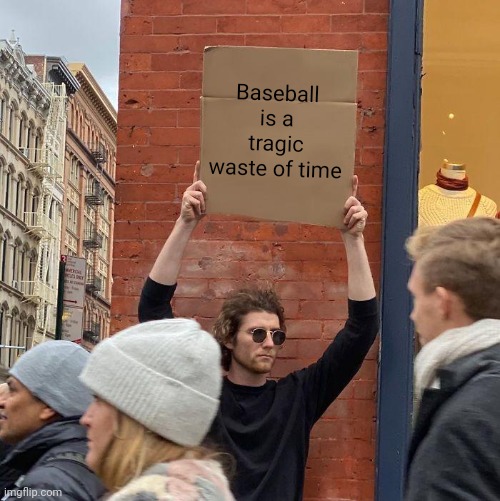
x,y
51,459
455,449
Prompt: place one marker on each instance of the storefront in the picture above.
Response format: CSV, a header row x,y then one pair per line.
x,y
442,125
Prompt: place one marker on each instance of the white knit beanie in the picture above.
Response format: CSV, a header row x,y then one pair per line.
x,y
165,374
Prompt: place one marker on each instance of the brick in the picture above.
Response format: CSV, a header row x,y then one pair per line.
x,y
124,286
147,154
161,211
194,289
373,80
277,40
135,135
157,7
305,24
197,43
135,62
355,23
377,6
335,6
181,61
139,192
323,310
374,41
300,290
149,44
188,118
214,7
249,24
304,329
372,61
172,135
277,7
149,80
191,80
129,211
339,41
171,25
137,25
151,118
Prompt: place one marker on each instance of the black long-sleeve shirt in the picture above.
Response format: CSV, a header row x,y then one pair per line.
x,y
266,429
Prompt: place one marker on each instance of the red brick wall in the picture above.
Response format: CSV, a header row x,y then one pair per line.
x,y
158,143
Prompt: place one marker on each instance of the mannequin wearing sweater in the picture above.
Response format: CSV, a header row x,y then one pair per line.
x,y
451,198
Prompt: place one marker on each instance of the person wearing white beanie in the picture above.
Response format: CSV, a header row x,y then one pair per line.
x,y
157,388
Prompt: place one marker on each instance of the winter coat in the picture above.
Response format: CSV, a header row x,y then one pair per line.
x,y
50,464
455,449
182,480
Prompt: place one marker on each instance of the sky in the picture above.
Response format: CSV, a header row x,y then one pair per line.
x,y
81,31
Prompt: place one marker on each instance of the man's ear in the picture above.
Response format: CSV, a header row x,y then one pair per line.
x,y
446,300
47,413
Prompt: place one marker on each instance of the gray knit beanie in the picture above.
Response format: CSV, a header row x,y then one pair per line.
x,y
50,371
165,374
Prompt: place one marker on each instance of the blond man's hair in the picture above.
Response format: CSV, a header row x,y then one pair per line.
x,y
463,257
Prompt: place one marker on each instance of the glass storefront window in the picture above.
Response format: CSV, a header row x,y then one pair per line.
x,y
459,162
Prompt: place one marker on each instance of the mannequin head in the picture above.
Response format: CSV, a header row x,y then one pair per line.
x,y
453,170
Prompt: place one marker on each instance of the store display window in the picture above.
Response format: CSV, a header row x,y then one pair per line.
x,y
460,121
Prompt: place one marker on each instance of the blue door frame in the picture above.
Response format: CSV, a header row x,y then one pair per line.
x,y
402,146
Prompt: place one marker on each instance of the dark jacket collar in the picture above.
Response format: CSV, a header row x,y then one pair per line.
x,y
27,452
451,378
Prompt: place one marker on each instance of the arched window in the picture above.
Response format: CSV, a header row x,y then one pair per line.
x,y
11,125
3,111
8,187
19,186
23,131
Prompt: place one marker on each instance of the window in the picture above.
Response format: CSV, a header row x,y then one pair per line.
x,y
460,126
3,112
72,218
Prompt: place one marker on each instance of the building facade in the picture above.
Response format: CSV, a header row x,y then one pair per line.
x,y
161,65
88,222
33,123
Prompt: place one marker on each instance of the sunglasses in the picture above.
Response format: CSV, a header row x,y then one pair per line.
x,y
259,335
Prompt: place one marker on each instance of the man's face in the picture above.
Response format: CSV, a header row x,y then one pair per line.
x,y
252,357
427,311
21,414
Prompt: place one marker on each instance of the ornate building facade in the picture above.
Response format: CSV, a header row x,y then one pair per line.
x,y
57,168
32,139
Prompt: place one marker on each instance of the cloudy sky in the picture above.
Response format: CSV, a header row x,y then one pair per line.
x,y
81,31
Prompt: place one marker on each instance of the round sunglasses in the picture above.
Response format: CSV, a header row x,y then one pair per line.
x,y
259,335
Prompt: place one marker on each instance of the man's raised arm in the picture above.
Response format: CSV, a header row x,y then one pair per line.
x,y
360,285
159,287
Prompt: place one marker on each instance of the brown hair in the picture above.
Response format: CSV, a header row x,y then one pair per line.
x,y
134,449
235,307
463,257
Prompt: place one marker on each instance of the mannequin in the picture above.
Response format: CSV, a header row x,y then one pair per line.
x,y
451,198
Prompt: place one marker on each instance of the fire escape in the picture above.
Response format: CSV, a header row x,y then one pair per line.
x,y
92,243
47,162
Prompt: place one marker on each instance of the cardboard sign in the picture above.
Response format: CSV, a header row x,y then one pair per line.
x,y
278,132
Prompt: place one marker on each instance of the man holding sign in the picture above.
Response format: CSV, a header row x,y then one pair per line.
x,y
264,424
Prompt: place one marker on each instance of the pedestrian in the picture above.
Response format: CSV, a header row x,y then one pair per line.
x,y
156,388
266,424
39,418
455,284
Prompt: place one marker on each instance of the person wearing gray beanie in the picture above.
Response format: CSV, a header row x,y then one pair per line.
x,y
39,418
157,388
